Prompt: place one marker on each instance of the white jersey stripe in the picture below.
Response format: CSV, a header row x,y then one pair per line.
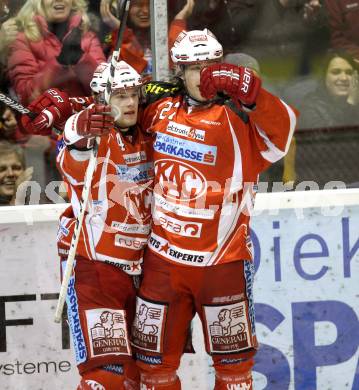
x,y
273,153
229,213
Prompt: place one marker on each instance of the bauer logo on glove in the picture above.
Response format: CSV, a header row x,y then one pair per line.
x,y
238,82
53,108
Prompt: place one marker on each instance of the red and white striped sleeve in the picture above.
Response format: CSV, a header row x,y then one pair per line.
x,y
274,123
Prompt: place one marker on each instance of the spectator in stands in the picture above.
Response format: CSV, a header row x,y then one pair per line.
x,y
13,172
54,49
136,46
102,30
317,41
284,35
334,102
9,130
343,21
330,150
230,21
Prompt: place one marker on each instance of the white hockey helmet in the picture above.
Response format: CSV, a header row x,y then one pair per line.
x,y
125,76
196,46
99,79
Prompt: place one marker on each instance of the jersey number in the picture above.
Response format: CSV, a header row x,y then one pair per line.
x,y
169,110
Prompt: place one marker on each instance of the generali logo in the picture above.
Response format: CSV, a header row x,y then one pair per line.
x,y
107,332
228,328
147,330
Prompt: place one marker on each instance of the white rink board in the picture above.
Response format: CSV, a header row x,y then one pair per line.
x,y
307,315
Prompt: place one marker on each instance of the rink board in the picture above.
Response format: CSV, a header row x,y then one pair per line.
x,y
306,250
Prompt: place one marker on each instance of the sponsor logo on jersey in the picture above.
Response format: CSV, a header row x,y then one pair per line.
x,y
185,149
138,173
180,181
130,227
62,251
93,385
249,276
107,332
179,255
130,242
97,206
115,368
182,210
228,328
149,359
201,53
62,232
137,200
198,38
132,269
246,385
124,267
74,322
186,131
228,298
135,158
172,225
231,361
212,123
148,326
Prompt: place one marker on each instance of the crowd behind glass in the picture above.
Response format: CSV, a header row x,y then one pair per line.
x,y
306,52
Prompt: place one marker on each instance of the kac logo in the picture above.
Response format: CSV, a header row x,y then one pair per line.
x,y
180,181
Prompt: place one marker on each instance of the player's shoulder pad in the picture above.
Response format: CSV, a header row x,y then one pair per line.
x,y
156,90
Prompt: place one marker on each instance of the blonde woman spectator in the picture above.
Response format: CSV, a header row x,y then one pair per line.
x,y
54,49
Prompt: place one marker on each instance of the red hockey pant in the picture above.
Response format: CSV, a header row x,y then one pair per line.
x,y
100,308
168,299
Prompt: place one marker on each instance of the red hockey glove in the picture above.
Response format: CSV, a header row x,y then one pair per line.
x,y
95,121
236,81
53,108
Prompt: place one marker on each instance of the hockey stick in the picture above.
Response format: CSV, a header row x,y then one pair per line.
x,y
16,105
123,10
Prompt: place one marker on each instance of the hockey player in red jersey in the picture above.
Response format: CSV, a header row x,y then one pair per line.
x,y
208,153
101,292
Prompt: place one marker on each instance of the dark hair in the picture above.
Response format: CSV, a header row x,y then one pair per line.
x,y
337,54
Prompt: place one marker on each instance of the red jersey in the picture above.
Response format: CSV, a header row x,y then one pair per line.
x,y
207,160
117,222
